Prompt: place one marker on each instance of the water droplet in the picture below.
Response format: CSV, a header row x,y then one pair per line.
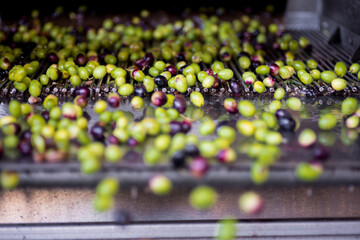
x,y
309,192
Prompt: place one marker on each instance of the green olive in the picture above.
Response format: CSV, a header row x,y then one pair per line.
x,y
203,197
316,74
349,106
327,76
306,78
308,172
354,68
208,81
327,121
311,64
197,99
107,187
207,127
284,72
262,70
294,103
15,108
246,108
9,180
180,83
226,74
244,62
259,86
245,127
279,93
338,84
99,72
160,185
340,69
126,89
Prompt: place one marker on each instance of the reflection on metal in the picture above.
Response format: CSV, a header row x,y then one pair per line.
x,y
319,230
303,15
38,205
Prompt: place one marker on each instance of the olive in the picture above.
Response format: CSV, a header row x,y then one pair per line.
x,y
161,81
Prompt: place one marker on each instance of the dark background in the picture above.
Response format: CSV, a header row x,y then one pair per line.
x,y
11,10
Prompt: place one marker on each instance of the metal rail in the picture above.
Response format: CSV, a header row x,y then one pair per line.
x,y
317,230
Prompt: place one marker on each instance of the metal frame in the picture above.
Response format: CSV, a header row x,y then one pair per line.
x,y
301,230
336,21
334,216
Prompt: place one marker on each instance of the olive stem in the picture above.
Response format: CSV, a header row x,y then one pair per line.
x,y
98,87
4,82
106,89
6,88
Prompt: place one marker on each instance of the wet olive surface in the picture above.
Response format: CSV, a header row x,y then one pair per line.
x,y
342,143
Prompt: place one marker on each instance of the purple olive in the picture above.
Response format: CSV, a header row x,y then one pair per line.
x,y
217,82
81,59
98,132
26,135
244,54
191,150
69,111
287,124
181,69
180,57
185,126
231,105
274,69
235,87
199,166
140,63
113,100
53,58
257,58
139,91
255,64
225,56
158,98
276,46
93,58
46,115
171,69
180,103
132,142
282,113
209,71
175,127
226,155
320,152
113,140
149,59
178,160
259,46
81,101
25,147
84,91
161,81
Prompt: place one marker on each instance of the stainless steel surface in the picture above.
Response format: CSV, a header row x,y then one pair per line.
x,y
283,173
74,205
303,15
319,230
337,20
345,13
